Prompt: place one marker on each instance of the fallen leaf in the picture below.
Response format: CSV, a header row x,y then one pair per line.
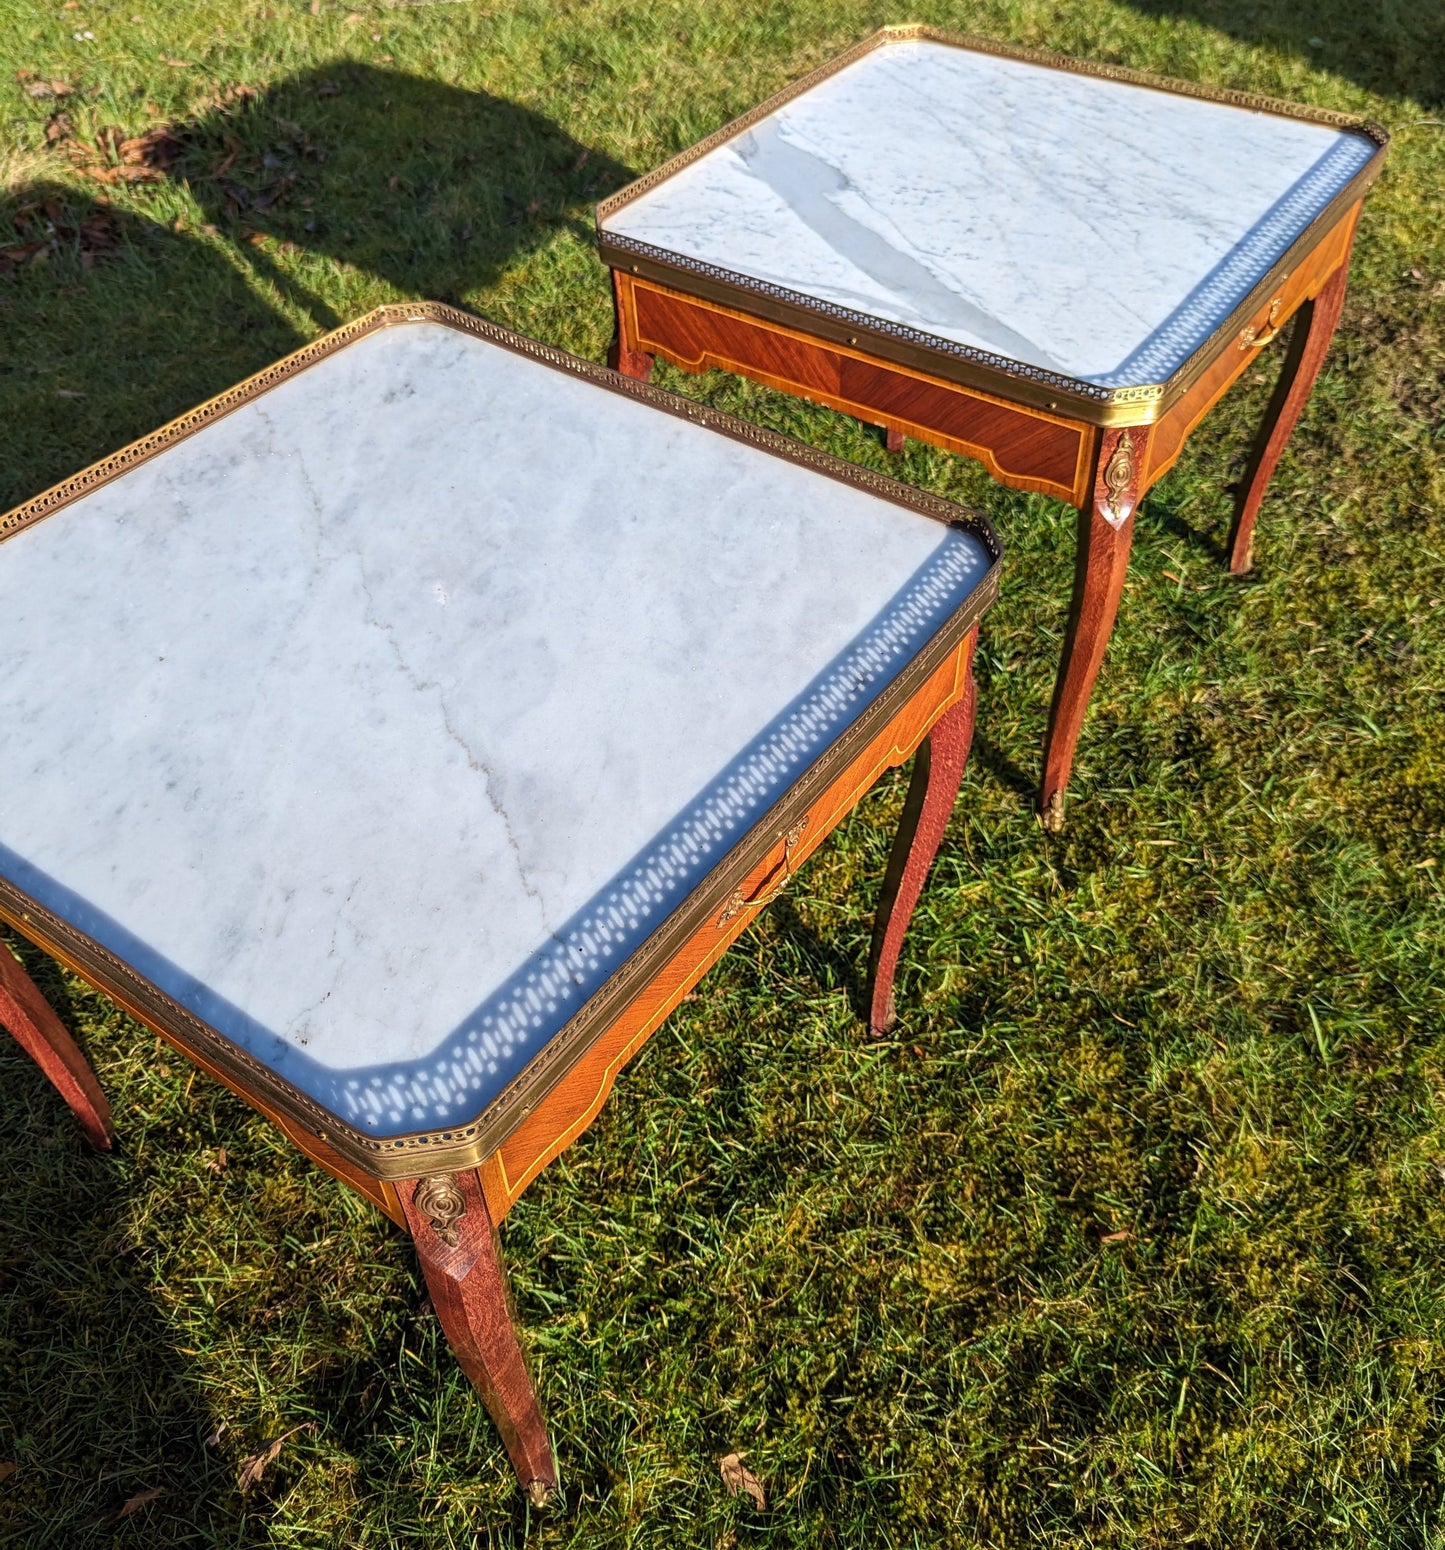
x,y
224,99
218,1163
328,89
157,147
1122,1236
68,393
581,161
48,226
139,1500
50,89
737,1477
7,1469
213,1438
254,1467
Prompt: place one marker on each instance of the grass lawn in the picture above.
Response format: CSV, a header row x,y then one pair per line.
x,y
1133,1235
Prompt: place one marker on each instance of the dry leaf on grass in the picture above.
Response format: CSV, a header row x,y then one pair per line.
x,y
254,1467
116,157
7,1469
223,99
47,226
737,1477
139,1500
1122,1236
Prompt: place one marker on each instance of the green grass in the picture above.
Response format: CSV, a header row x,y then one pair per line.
x,y
1133,1235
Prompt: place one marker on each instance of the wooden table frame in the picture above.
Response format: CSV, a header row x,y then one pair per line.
x,y
450,1190
1099,449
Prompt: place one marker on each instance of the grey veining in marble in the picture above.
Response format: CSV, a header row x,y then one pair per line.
x,y
380,720
1095,229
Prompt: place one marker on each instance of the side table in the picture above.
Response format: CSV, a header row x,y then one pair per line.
x,y
378,737
1051,266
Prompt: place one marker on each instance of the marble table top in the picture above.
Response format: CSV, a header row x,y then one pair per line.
x,y
1094,228
380,720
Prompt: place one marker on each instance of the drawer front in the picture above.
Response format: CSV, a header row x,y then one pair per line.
x,y
1021,447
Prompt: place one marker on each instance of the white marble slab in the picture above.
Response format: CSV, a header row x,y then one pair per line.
x,y
377,722
1096,229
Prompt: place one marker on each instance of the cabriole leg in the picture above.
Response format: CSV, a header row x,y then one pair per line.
x,y
937,770
621,356
41,1034
1314,327
1101,560
460,1257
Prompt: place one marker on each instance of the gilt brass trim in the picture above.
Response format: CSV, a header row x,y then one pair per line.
x,y
1035,386
428,1153
1253,338
438,1199
1119,475
738,901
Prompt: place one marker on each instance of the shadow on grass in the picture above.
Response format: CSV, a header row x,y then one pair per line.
x,y
431,188
105,1398
98,1407
114,323
825,962
1394,50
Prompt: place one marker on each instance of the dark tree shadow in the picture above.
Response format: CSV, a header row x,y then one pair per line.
x,y
111,324
1394,50
429,187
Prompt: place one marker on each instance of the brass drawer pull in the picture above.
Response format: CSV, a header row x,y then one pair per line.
x,y
1256,339
738,902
